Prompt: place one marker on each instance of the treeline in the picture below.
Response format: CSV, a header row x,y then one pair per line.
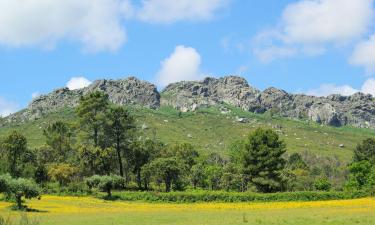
x,y
106,151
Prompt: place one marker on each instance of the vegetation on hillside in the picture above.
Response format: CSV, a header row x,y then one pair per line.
x,y
105,150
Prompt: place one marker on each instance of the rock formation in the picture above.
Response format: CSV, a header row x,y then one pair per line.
x,y
357,110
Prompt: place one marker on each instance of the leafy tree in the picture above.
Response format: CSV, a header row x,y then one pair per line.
x,y
142,153
262,159
58,138
15,147
62,173
18,188
295,161
214,174
105,183
362,175
198,176
169,170
186,152
91,112
95,160
322,184
365,151
119,129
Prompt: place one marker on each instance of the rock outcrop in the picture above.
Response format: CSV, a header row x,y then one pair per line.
x,y
122,92
189,95
357,110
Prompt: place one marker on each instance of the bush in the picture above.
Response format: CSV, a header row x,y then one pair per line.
x,y
322,184
19,188
105,183
222,196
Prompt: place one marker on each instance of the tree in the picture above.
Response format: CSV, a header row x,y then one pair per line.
x,y
15,146
142,153
262,159
62,173
365,151
105,183
91,111
198,176
322,184
169,170
18,188
58,137
362,175
119,128
214,174
95,160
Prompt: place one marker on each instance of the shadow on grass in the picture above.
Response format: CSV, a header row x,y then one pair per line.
x,y
26,209
110,198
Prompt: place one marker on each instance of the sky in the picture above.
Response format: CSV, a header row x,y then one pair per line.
x,y
315,47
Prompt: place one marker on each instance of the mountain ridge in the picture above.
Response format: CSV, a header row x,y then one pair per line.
x,y
357,110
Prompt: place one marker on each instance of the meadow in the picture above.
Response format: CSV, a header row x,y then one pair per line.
x,y
59,210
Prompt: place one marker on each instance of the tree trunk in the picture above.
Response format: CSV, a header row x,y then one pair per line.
x,y
167,185
139,180
19,201
109,193
118,149
96,137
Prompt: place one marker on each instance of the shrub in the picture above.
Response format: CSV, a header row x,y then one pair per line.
x,y
19,188
105,183
322,184
62,173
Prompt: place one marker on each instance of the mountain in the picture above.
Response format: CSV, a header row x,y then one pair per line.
x,y
357,110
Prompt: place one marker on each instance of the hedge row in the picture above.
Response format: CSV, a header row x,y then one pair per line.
x,y
221,196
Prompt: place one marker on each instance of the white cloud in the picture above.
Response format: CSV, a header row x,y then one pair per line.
x,y
169,11
96,24
7,107
312,25
328,89
78,83
183,64
364,55
35,94
368,87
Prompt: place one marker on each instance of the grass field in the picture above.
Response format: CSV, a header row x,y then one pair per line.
x,y
86,210
211,131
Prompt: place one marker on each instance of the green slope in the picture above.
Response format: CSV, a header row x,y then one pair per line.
x,y
211,130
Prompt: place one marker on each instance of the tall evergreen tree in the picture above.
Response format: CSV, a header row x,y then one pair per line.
x,y
91,111
119,131
58,137
262,159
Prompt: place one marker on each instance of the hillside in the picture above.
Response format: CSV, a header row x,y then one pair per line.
x,y
214,129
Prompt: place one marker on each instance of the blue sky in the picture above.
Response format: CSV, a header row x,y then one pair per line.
x,y
315,47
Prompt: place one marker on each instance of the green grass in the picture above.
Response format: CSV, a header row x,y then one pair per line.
x,y
211,131
52,210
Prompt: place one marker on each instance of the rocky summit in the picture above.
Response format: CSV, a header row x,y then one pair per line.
x,y
357,110
122,92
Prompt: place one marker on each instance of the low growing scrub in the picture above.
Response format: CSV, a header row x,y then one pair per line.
x,y
222,196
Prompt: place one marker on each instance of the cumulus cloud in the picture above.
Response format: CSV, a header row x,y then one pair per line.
x,y
183,64
311,25
328,89
35,94
169,11
368,87
78,83
7,107
364,55
96,24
